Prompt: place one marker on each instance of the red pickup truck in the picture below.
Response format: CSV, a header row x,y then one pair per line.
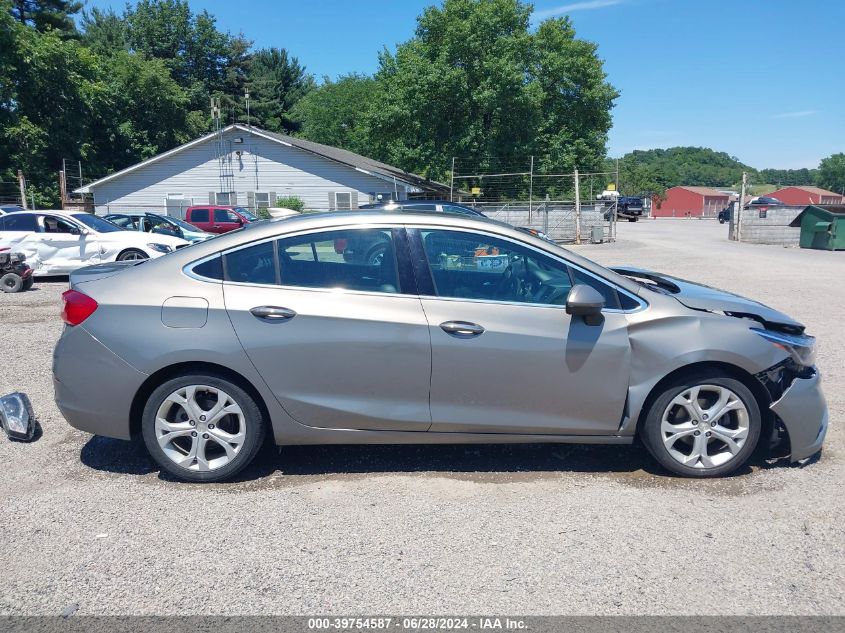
x,y
217,219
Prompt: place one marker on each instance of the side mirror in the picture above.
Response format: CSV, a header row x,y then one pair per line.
x,y
584,301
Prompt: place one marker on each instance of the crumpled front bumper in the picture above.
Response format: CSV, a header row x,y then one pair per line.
x,y
803,411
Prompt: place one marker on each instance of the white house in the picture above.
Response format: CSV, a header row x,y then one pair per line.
x,y
246,166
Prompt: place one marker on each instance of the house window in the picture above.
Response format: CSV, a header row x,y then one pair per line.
x,y
342,200
262,200
226,198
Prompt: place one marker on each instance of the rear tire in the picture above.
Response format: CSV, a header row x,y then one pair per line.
x,y
202,427
11,282
702,425
132,254
632,219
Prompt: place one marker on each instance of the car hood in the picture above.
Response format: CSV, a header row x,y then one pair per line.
x,y
700,297
136,238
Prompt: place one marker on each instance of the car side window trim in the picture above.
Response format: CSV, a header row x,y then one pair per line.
x,y
426,284
407,285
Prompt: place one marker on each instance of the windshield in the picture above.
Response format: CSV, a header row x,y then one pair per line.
x,y
183,225
249,215
97,223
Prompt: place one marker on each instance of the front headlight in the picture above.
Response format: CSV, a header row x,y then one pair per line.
x,y
801,347
161,248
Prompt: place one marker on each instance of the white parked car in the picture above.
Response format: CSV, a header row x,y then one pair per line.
x,y
59,242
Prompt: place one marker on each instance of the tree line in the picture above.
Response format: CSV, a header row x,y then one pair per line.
x,y
655,170
113,88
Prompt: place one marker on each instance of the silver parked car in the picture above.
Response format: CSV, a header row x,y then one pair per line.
x,y
466,331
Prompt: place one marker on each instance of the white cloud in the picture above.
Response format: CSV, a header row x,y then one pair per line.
x,y
794,115
575,6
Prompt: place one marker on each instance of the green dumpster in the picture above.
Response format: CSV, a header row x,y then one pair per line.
x,y
822,226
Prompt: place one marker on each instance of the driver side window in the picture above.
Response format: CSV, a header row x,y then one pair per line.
x,y
52,224
476,266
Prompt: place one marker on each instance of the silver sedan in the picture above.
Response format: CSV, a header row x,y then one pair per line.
x,y
462,330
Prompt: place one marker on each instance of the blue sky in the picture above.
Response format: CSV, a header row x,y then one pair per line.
x,y
763,80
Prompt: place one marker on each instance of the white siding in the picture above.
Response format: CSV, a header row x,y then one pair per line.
x,y
264,165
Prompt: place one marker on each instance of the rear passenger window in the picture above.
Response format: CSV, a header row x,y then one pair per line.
x,y
210,269
199,215
18,222
351,259
252,265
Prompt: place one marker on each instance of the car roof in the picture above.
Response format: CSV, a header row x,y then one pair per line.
x,y
373,219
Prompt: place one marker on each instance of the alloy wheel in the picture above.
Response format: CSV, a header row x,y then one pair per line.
x,y
200,428
705,426
132,256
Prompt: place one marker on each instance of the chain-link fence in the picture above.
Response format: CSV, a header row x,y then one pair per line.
x,y
568,207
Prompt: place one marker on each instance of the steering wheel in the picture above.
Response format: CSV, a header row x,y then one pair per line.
x,y
507,286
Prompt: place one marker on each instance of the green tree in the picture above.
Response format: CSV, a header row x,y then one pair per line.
x,y
831,173
191,46
104,31
276,82
337,112
476,82
46,15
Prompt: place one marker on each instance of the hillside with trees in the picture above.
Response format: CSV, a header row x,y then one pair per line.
x,y
655,170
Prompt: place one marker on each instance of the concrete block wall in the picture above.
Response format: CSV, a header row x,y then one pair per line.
x,y
773,229
560,225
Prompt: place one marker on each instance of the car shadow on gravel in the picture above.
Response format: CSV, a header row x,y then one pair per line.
x,y
518,460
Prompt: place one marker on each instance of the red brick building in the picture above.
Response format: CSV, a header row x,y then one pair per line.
x,y
806,195
686,202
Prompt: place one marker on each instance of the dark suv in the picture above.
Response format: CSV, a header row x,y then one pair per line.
x,y
630,207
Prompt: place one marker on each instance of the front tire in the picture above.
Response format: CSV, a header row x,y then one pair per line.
x,y
703,425
27,283
132,254
202,427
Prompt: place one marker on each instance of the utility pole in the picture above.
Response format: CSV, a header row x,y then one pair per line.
x,y
62,186
452,181
530,188
22,187
577,208
739,206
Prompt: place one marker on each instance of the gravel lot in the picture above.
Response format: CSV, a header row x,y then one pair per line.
x,y
89,526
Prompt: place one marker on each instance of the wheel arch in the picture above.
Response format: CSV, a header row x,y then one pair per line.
x,y
703,367
131,248
180,369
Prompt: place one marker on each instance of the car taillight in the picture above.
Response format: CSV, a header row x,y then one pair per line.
x,y
339,246
77,307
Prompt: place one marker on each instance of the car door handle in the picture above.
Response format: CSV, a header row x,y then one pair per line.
x,y
272,313
461,329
